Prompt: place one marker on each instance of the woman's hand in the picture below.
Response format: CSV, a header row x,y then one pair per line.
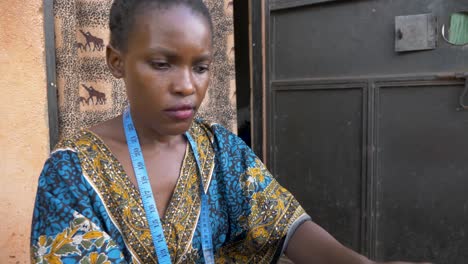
x,y
312,244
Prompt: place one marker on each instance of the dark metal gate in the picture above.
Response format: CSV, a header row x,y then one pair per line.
x,y
373,142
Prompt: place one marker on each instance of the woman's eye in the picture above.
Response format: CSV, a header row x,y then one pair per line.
x,y
160,65
201,69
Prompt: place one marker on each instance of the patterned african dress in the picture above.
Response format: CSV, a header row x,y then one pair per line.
x,y
88,211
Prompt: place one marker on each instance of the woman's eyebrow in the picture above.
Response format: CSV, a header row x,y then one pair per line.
x,y
204,57
162,50
170,53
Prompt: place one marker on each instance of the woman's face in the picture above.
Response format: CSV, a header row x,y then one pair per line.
x,y
166,68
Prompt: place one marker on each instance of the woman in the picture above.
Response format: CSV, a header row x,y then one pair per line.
x,y
216,202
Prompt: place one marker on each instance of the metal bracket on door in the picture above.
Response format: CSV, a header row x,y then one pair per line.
x,y
465,91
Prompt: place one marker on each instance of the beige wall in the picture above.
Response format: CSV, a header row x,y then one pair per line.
x,y
23,122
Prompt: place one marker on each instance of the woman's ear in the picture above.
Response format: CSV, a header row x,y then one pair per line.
x,y
115,62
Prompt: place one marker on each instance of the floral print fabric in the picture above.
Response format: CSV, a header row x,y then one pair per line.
x,y
88,211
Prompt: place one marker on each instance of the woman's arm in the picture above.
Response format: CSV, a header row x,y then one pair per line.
x,y
312,244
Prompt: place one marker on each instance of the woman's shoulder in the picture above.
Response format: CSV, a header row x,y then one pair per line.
x,y
92,138
82,151
62,167
222,139
65,155
212,129
74,141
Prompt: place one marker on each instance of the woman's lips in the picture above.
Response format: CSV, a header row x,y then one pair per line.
x,y
181,113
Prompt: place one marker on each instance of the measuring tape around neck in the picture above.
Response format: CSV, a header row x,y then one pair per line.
x,y
207,243
149,203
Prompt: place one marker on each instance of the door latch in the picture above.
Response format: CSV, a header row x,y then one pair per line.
x,y
463,95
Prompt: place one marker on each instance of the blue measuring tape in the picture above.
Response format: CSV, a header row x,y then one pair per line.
x,y
207,243
149,203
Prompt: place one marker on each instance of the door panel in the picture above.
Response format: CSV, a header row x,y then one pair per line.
x,y
422,204
326,128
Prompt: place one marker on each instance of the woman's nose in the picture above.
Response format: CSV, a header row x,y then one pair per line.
x,y
184,83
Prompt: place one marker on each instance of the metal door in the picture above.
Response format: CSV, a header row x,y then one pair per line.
x,y
373,142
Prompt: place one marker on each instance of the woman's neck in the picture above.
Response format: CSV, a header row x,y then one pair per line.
x,y
149,137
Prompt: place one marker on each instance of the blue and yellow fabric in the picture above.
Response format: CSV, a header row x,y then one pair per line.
x,y
88,211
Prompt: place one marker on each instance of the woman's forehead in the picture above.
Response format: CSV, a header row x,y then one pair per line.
x,y
171,26
174,18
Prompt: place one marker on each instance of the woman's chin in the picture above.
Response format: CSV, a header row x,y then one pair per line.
x,y
178,129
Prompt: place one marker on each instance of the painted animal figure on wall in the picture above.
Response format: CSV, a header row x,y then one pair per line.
x,y
80,46
100,97
84,101
98,43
